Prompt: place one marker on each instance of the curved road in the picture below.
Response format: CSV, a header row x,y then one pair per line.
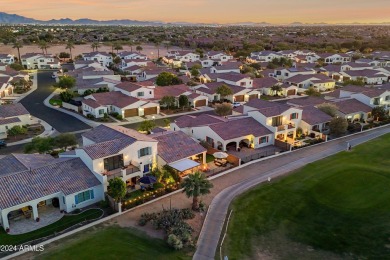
x,y
34,104
211,232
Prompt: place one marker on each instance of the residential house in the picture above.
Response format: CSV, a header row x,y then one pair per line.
x,y
224,134
195,99
104,58
230,67
192,155
40,61
369,76
12,115
331,58
353,110
281,119
314,121
142,90
99,104
115,151
319,81
236,79
7,58
262,56
285,73
40,181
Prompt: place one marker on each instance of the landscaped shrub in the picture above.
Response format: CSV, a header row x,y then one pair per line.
x,y
175,242
172,222
114,114
119,117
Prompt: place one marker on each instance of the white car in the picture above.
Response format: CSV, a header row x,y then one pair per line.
x,y
236,104
53,76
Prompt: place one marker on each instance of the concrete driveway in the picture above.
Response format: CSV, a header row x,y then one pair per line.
x,y
34,104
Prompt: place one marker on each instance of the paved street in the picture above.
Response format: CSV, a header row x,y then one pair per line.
x,y
34,104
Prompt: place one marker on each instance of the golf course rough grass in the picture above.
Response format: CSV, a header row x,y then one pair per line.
x,y
113,242
339,205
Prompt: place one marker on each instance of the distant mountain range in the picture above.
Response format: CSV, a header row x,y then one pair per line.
x,y
6,18
18,19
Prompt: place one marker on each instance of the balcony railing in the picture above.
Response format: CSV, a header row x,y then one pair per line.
x,y
130,169
284,127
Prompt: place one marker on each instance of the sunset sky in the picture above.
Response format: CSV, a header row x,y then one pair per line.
x,y
210,11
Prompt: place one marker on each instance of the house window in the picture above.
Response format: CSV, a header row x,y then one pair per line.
x,y
101,111
277,120
294,116
286,74
263,140
140,94
83,196
387,98
150,92
242,84
113,162
144,151
376,101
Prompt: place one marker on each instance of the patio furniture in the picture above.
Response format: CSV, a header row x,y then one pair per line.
x,y
220,155
148,180
26,212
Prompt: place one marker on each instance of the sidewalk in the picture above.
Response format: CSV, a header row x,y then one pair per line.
x,y
49,131
33,88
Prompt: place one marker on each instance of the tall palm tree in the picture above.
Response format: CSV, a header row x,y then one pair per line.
x,y
196,185
157,45
17,45
95,46
43,45
131,45
70,46
117,47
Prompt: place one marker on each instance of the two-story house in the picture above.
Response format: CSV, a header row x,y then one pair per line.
x,y
104,58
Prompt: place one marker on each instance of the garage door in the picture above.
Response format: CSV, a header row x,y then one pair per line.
x,y
131,112
291,92
200,103
150,111
239,98
253,96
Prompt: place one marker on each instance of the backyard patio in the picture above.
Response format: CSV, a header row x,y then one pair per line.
x,y
47,215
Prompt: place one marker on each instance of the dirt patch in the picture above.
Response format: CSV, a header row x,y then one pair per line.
x,y
149,50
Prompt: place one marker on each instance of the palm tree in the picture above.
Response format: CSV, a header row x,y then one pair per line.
x,y
17,45
139,48
131,45
95,46
157,45
117,47
196,185
70,46
43,45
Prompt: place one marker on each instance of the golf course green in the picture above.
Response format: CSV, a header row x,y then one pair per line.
x,y
335,208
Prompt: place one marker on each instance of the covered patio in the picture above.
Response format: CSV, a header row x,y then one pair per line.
x,y
21,223
185,166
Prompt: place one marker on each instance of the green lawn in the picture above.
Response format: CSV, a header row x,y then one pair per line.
x,y
209,158
63,223
335,208
55,102
113,243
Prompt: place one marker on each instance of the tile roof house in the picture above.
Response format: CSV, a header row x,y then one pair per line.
x,y
353,109
12,115
99,104
26,180
178,148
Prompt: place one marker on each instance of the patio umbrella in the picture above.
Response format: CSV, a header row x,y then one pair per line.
x,y
148,180
220,155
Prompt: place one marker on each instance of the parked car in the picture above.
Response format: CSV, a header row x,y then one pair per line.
x,y
236,104
3,143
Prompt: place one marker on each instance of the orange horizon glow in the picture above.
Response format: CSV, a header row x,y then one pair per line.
x,y
206,11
